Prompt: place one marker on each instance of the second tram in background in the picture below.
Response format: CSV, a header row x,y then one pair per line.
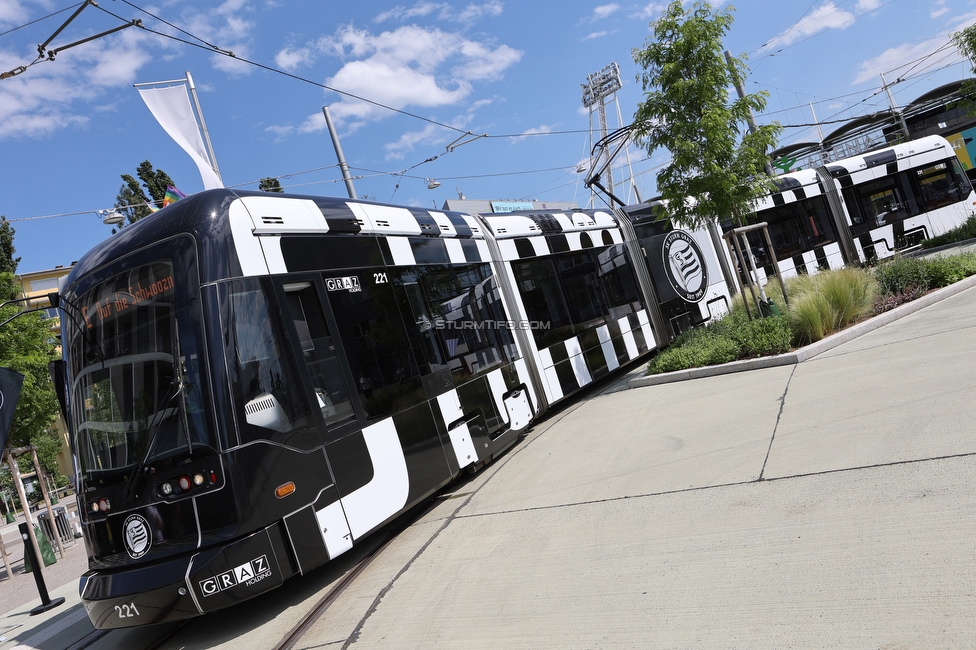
x,y
255,382
864,208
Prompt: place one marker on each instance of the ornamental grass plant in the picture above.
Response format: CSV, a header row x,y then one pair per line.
x,y
828,302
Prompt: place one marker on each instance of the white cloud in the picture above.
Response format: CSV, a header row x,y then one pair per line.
x,y
225,27
445,12
473,13
429,135
652,10
602,11
55,95
533,131
405,67
419,10
593,35
824,17
13,12
864,6
291,59
895,57
483,63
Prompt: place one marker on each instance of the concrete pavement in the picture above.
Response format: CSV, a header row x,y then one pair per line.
x,y
827,504
822,504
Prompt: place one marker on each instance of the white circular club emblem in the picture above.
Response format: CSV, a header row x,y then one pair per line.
x,y
684,265
138,538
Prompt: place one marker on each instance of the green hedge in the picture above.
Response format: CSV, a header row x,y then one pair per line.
x,y
961,233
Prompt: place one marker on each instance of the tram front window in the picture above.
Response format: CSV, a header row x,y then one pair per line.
x,y
136,382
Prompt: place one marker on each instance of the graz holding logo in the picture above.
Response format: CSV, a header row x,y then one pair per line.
x,y
247,574
684,264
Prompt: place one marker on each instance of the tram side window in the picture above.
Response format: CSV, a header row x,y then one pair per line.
x,y
383,367
270,401
618,282
569,293
579,279
881,201
544,300
796,227
940,185
318,352
460,326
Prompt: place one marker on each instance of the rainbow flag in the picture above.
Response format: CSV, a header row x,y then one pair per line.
x,y
172,195
152,208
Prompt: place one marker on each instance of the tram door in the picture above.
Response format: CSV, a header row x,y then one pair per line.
x,y
321,531
318,352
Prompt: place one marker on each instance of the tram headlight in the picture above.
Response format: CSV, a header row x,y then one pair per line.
x,y
185,484
166,489
198,479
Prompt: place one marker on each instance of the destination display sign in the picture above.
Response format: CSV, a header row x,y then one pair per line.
x,y
118,302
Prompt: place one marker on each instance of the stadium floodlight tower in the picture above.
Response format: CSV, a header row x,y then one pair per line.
x,y
599,87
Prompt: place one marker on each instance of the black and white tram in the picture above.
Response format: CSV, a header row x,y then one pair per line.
x,y
254,382
867,207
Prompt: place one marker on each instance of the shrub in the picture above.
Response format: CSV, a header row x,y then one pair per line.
x,y
961,233
892,300
898,273
764,337
698,351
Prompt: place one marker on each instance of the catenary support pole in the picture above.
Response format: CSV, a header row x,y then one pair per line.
x,y
343,167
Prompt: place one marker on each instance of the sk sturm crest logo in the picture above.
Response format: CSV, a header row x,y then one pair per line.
x,y
684,265
138,539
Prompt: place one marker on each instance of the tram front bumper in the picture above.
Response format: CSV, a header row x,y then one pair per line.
x,y
138,596
183,587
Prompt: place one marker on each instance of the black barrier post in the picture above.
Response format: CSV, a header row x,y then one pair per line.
x,y
46,602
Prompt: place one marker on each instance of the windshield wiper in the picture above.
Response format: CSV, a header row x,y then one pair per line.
x,y
139,472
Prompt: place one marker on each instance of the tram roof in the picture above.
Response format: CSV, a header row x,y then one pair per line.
x,y
205,217
528,223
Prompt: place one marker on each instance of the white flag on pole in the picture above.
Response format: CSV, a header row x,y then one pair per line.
x,y
171,108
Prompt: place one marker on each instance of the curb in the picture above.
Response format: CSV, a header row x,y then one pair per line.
x,y
812,350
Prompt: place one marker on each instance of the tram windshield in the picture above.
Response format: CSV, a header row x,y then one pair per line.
x,y
135,375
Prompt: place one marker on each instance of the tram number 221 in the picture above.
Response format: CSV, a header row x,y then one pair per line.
x,y
127,611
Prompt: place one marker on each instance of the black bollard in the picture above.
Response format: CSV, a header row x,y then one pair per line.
x,y
46,602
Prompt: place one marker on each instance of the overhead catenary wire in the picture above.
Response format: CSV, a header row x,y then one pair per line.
x,y
204,44
37,20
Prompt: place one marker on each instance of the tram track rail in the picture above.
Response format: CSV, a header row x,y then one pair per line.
x,y
300,629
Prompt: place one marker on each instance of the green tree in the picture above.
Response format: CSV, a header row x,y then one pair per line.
x,y
965,42
270,185
8,263
687,110
27,346
132,197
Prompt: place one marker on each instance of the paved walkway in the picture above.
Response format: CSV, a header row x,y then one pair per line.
x,y
821,504
826,504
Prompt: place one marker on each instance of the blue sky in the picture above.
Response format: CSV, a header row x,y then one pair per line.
x,y
69,127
